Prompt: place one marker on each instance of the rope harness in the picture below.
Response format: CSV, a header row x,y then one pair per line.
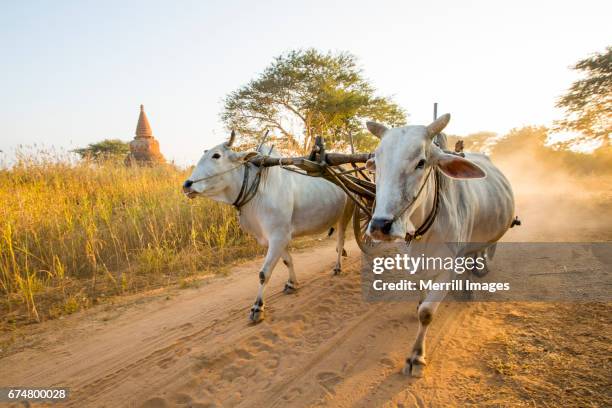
x,y
431,217
247,192
418,234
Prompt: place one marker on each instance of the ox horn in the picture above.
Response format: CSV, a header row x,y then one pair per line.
x,y
438,125
376,129
230,142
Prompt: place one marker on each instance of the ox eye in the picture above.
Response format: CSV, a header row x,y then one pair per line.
x,y
420,164
216,156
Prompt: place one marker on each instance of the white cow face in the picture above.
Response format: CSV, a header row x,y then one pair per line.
x,y
403,159
216,171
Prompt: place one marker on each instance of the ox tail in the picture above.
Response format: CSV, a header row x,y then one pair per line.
x,y
516,222
331,231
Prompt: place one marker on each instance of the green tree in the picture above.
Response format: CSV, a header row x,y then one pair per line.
x,y
104,150
306,93
588,102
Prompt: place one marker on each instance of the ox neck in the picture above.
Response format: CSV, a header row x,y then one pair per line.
x,y
420,213
229,194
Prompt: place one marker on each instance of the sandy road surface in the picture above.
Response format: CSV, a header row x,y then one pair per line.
x,y
323,346
198,349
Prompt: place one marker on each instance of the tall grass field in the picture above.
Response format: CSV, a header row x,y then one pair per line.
x,y
73,232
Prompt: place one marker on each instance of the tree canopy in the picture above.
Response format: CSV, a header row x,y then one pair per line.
x,y
106,149
588,102
306,93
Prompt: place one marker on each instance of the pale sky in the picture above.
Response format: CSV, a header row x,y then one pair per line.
x,y
75,72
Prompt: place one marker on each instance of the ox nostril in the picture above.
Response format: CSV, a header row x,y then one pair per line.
x,y
187,184
381,224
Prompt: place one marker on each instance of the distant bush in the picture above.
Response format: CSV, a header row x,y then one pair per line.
x,y
106,149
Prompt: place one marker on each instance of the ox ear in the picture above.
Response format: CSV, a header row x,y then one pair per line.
x,y
371,165
459,168
245,156
438,125
376,129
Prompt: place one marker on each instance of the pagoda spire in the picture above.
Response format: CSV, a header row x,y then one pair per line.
x,y
143,129
144,148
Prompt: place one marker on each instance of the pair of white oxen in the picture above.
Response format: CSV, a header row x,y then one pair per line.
x,y
288,205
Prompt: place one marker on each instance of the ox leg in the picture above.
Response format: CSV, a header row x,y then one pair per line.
x,y
415,363
292,283
342,224
275,250
487,254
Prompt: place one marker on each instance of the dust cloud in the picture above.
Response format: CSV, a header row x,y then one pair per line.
x,y
561,195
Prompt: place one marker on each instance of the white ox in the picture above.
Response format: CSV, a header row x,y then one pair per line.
x,y
286,205
477,211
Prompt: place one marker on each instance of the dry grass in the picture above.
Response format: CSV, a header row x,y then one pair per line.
x,y
73,232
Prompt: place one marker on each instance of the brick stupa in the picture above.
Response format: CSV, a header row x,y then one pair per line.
x,y
144,149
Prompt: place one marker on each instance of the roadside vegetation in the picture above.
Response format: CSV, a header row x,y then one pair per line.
x,y
73,232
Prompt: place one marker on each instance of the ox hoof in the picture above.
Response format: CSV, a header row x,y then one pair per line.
x,y
337,271
256,315
290,288
415,367
480,273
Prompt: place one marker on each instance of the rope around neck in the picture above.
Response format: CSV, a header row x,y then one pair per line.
x,y
433,213
247,193
416,197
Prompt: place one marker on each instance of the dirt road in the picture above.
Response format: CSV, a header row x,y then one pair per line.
x,y
323,346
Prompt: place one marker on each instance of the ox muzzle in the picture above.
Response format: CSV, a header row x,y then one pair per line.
x,y
189,192
380,228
